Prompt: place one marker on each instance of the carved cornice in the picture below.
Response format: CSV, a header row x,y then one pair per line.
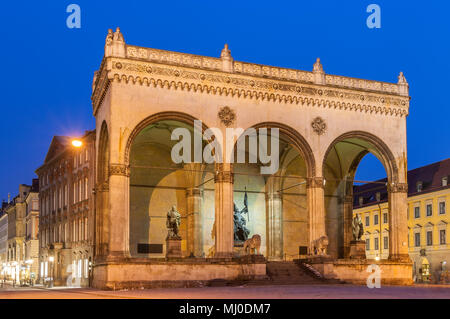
x,y
397,188
275,89
119,169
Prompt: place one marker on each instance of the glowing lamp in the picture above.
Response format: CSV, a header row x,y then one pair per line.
x,y
77,143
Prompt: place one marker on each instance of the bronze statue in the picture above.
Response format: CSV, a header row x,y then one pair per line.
x,y
173,223
357,227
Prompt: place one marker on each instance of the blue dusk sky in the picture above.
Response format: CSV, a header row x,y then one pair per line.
x,y
47,68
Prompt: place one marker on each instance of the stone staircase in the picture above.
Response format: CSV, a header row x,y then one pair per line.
x,y
290,273
282,273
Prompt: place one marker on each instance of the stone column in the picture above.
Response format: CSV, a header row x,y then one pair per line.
x,y
316,208
224,224
274,222
398,222
194,221
101,220
119,211
348,217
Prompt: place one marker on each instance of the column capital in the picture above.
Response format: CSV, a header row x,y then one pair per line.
x,y
193,191
348,199
274,195
315,182
102,187
119,169
397,187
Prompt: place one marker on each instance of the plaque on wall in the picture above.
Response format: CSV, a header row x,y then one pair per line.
x,y
149,248
302,250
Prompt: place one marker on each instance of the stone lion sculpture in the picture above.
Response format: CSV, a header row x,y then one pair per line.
x,y
320,245
252,245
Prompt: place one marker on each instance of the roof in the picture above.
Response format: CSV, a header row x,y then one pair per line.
x,y
430,176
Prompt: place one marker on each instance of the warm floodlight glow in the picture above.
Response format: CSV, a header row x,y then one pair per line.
x,y
51,259
377,258
77,143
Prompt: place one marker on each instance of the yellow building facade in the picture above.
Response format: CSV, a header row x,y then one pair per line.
x,y
428,220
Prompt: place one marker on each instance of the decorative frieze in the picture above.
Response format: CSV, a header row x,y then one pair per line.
x,y
234,85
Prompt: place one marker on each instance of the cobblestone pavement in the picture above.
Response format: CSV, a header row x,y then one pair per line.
x,y
239,292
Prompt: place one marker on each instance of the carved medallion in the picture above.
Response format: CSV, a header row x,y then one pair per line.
x,y
227,116
319,126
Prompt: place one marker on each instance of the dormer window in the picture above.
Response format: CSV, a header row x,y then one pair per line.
x,y
378,196
419,186
361,200
444,181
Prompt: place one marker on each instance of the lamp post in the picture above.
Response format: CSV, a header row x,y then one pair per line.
x,y
51,259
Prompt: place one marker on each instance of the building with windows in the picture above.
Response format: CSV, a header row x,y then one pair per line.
x,y
16,264
32,232
66,211
3,240
428,220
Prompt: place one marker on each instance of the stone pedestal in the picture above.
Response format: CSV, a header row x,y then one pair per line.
x,y
357,249
173,248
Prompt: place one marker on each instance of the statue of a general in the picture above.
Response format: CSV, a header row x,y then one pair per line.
x,y
241,232
173,223
357,227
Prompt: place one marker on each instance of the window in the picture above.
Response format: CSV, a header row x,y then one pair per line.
x,y
429,238
442,208
86,188
66,195
375,219
74,192
429,209
417,239
79,269
86,268
385,242
385,218
444,181
417,212
79,191
367,220
419,186
361,200
442,239
376,244
368,244
378,196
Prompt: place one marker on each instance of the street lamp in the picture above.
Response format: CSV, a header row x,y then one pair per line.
x,y
77,143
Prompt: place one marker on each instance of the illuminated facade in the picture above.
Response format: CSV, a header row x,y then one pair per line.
x,y
428,219
66,211
326,124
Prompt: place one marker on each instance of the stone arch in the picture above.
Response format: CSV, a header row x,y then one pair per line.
x,y
162,116
298,141
103,154
387,157
339,170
